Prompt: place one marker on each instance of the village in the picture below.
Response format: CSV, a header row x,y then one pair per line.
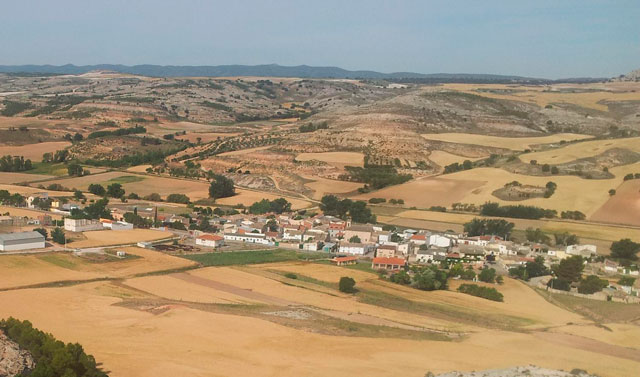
x,y
385,249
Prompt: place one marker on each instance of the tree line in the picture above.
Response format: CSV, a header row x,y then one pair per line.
x,y
14,164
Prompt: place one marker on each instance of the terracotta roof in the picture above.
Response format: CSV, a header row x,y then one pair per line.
x,y
210,237
396,261
344,259
420,237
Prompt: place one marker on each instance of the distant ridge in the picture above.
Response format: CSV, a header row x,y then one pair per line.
x,y
266,70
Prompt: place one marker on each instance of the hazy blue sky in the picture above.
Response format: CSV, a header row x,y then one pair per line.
x,y
556,38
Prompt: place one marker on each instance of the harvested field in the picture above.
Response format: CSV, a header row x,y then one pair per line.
x,y
593,192
25,190
173,339
139,168
248,197
623,207
34,151
443,158
427,192
337,159
323,186
23,270
13,178
13,211
98,238
583,149
513,143
144,185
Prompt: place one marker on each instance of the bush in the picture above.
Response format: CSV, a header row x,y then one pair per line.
x,y
484,292
560,284
347,285
97,189
178,198
401,277
377,200
487,275
592,284
57,235
291,275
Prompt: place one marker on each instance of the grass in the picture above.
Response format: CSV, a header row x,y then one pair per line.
x,y
251,257
596,310
56,169
442,311
59,261
126,179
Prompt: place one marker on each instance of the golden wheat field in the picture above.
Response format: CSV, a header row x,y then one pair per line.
x,y
583,149
96,238
33,151
248,197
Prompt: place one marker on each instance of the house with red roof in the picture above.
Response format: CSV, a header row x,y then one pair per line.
x,y
343,261
210,240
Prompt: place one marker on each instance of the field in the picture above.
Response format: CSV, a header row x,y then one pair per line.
x,y
535,94
24,190
141,184
248,197
322,186
98,238
581,150
163,325
338,159
584,230
13,211
24,270
9,178
513,143
443,158
427,192
623,207
206,137
34,151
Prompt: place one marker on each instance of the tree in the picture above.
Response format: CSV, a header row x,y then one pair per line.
x,y
480,227
570,269
78,195
537,235
395,237
178,198
42,231
153,197
272,225
57,235
625,249
221,187
566,239
546,168
355,239
500,279
488,275
592,284
625,280
430,279
347,285
96,189
75,169
401,277
280,205
555,170
115,190
612,192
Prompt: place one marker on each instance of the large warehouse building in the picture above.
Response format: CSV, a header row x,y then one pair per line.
x,y
21,241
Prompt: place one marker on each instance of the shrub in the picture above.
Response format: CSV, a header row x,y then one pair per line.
x,y
178,198
291,275
347,285
97,189
592,284
560,284
484,292
487,275
377,200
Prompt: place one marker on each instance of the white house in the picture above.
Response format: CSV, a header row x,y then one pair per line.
x,y
355,248
209,240
259,238
439,241
82,225
116,225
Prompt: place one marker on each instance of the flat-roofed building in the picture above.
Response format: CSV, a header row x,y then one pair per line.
x,y
21,241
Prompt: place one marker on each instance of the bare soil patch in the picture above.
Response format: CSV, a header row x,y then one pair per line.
x,y
34,151
623,207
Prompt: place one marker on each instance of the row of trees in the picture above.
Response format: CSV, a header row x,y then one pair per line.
x,y
561,239
426,278
310,127
375,176
347,208
15,163
114,190
118,132
516,211
481,227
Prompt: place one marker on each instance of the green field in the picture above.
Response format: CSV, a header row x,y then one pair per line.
x,y
252,257
57,169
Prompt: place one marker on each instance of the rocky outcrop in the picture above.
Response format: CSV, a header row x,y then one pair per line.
x,y
13,360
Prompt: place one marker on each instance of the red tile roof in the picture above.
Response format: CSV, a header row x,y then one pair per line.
x,y
420,237
210,237
395,261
